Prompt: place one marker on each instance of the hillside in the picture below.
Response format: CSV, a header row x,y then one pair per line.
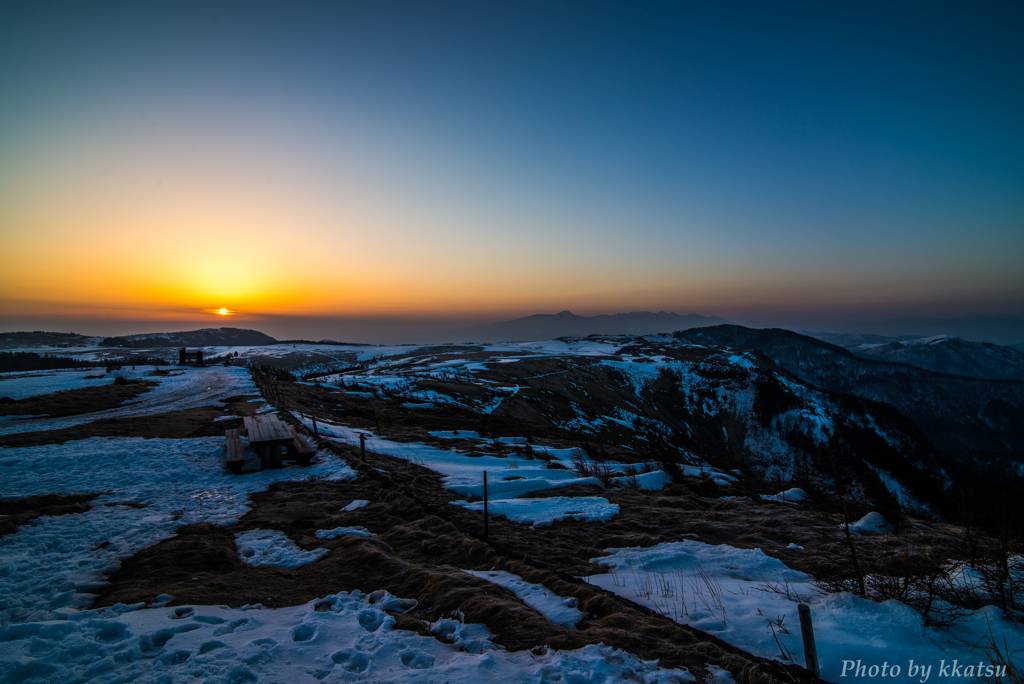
x,y
207,337
977,424
947,354
40,339
657,510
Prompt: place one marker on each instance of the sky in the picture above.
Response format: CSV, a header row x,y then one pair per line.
x,y
803,164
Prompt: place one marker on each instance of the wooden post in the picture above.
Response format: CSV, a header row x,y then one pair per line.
x,y
485,504
362,446
315,434
807,631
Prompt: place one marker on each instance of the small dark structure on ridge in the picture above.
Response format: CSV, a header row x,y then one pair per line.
x,y
190,358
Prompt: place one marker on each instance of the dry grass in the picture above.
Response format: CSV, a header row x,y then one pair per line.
x,y
16,512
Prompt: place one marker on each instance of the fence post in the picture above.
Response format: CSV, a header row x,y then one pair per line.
x,y
807,632
362,446
315,433
485,504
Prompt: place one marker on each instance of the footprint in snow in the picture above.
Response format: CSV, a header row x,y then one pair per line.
x,y
303,632
353,661
370,619
417,660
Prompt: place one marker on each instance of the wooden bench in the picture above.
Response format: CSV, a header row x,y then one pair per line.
x,y
301,448
235,451
270,437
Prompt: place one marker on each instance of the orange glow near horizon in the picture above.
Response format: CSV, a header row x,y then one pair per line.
x,y
151,232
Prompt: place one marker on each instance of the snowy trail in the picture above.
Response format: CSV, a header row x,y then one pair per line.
x,y
194,388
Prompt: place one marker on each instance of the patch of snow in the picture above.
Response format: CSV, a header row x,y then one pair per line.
x,y
24,386
907,500
654,480
355,531
872,522
545,512
793,495
358,503
274,548
734,594
718,675
507,477
560,610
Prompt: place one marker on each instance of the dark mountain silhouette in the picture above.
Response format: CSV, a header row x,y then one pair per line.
x,y
946,354
38,338
854,340
207,337
568,324
977,424
1001,329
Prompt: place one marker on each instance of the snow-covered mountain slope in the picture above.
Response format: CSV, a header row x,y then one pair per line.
x,y
977,424
957,413
949,354
638,400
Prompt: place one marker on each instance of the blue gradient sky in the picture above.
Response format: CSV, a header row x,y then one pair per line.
x,y
773,165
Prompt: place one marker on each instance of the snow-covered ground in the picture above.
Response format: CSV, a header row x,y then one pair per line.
x,y
558,609
507,477
750,600
191,388
23,385
274,548
53,564
544,512
50,567
353,531
340,638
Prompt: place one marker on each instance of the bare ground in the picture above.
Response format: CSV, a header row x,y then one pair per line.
x,y
17,512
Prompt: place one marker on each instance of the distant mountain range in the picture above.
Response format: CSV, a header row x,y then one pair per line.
x,y
1002,329
568,324
948,354
855,340
207,337
941,353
